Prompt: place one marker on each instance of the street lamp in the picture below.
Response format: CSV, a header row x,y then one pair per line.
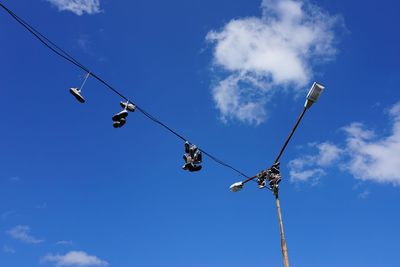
x,y
236,187
273,174
313,94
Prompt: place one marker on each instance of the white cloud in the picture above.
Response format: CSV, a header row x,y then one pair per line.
x,y
265,54
310,167
74,258
22,233
306,175
229,97
79,7
328,154
365,154
373,158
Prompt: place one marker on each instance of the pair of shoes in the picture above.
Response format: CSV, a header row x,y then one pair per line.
x,y
119,119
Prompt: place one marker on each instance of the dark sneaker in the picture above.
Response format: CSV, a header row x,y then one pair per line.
x,y
77,93
120,123
186,166
120,115
194,168
116,124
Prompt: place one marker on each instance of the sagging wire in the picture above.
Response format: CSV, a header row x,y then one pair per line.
x,y
118,120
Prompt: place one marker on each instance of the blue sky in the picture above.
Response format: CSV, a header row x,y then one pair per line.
x,y
231,77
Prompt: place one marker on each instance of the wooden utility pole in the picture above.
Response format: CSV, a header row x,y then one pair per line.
x,y
283,241
276,193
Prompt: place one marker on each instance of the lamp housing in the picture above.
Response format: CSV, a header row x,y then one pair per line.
x,y
313,95
236,187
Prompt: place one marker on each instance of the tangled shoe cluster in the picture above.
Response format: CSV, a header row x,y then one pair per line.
x,y
273,175
192,158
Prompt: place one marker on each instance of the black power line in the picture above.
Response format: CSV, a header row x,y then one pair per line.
x,y
62,53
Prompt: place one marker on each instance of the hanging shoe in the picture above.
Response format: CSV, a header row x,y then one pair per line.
x,y
77,93
187,147
120,123
185,166
128,106
120,115
197,157
261,185
116,124
194,168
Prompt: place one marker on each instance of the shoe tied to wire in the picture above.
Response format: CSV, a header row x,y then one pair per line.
x,y
120,115
77,93
128,106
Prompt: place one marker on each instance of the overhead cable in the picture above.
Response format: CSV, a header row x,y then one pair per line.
x,y
62,53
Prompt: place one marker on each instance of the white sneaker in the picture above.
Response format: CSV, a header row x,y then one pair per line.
x,y
129,106
77,93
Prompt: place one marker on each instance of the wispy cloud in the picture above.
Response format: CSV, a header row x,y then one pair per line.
x,y
41,206
8,249
22,233
74,258
7,214
79,7
310,167
84,42
263,55
64,242
364,194
15,179
365,154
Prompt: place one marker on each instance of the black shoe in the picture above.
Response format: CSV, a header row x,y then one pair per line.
x,y
120,115
77,93
194,167
116,124
120,123
186,166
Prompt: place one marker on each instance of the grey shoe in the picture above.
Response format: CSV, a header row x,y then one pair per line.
x,y
128,106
